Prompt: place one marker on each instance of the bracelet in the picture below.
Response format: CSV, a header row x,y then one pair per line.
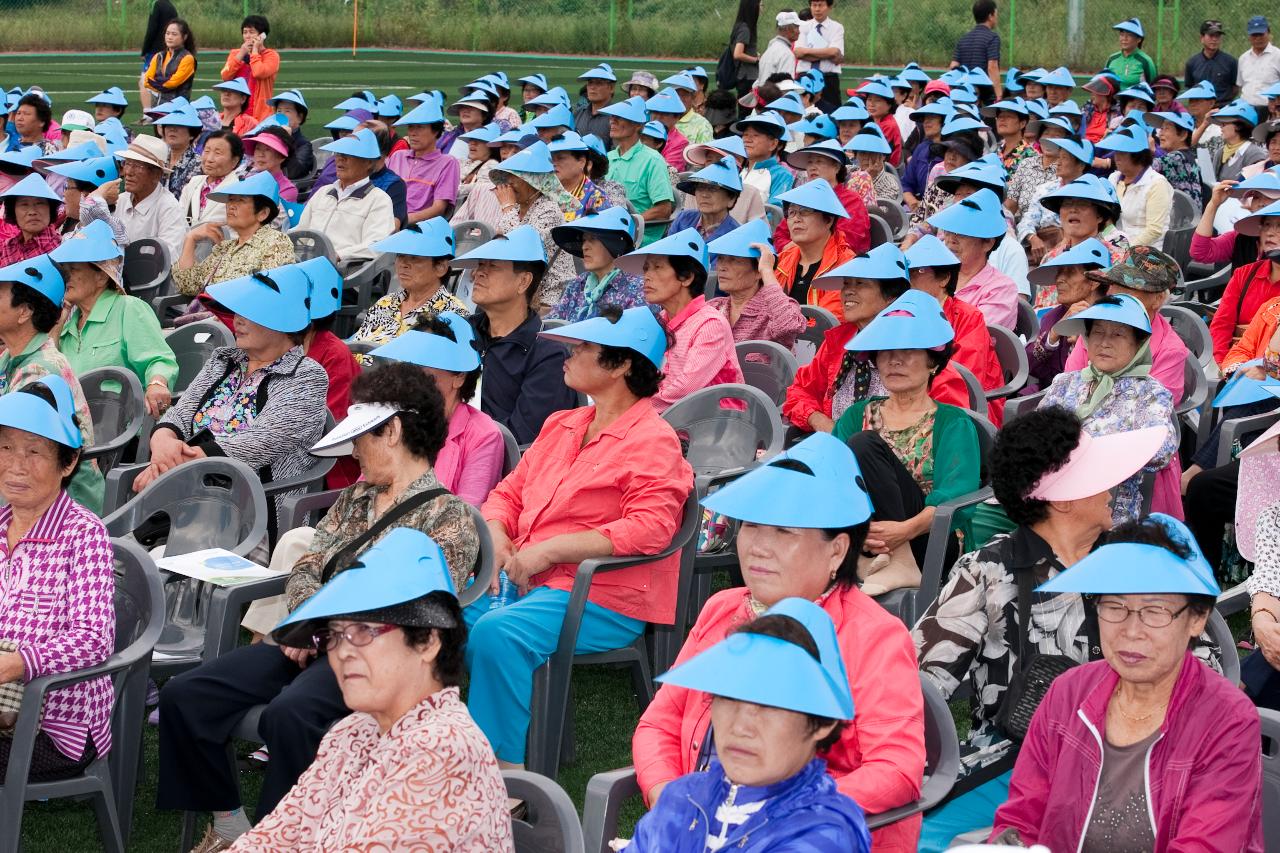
x,y
1270,613
159,381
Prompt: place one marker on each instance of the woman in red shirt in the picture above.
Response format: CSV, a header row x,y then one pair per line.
x,y
1251,286
33,207
881,104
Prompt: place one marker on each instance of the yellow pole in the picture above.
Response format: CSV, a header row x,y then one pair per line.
x,y
355,24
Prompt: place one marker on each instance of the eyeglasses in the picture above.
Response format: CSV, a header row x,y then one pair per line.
x,y
358,635
796,212
1153,616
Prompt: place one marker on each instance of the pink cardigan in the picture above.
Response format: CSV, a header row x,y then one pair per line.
x,y
470,463
703,354
770,315
1168,354
1204,771
994,294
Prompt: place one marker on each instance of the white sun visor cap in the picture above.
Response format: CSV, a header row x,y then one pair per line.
x,y
361,418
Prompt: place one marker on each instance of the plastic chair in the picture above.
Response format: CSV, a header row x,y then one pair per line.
x,y
551,822
1270,777
767,366
511,449
880,231
308,244
894,217
1209,289
204,248
360,288
118,408
977,396
1015,406
1028,323
820,320
726,427
1195,392
1013,362
192,346
637,228
773,215
1241,430
362,347
1177,244
469,234
147,267
1192,329
1184,211
549,323
1220,632
109,781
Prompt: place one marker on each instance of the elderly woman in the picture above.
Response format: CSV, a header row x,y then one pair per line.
x,y
1115,392
397,653
1256,279
1053,480
422,253
261,401
1178,162
1011,117
781,789
599,240
444,346
31,121
83,195
571,157
828,161
32,207
620,481
715,191
1102,112
1148,711
219,160
915,175
1039,227
268,149
812,212
916,453
804,518
106,327
1087,208
1146,197
293,106
56,615
252,204
702,354
1236,121
32,292
1067,275
1034,172
180,129
233,99
871,150
756,306
397,430
960,145
530,194
481,157
972,229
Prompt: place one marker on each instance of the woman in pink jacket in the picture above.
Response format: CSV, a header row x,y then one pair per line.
x,y
804,516
1147,749
756,306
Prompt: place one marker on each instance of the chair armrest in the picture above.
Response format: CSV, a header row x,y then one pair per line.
x,y
295,508
162,304
879,821
224,612
936,551
606,792
317,473
119,486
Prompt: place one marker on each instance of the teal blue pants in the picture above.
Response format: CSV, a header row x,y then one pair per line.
x,y
967,812
506,646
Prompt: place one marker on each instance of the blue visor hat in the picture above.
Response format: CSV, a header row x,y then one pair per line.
x,y
1059,76
977,216
929,252
1251,225
1129,140
1237,110
683,244
557,116
275,299
854,110
519,245
768,123
828,148
361,144
632,110
425,349
815,195
666,101
324,287
883,263
820,125
603,71
32,186
1087,187
427,112
1091,254
1132,25
654,130
636,329
389,107
1202,91
31,414
611,220
113,96
260,184
1240,390
1121,308
40,274
738,242
93,244
1182,120
912,321
431,238
869,140
722,174
536,159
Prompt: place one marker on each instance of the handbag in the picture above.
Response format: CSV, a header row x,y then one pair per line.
x,y
1029,685
10,696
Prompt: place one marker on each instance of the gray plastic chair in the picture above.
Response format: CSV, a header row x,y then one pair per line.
x,y
1270,777
1242,430
360,288
881,233
1192,329
977,396
308,244
1195,391
726,427
108,781
773,215
1208,289
767,366
893,215
470,233
637,228
511,450
1013,362
118,408
147,268
1028,323
1177,245
361,347
1015,406
820,320
550,323
1220,632
192,346
551,822
1184,211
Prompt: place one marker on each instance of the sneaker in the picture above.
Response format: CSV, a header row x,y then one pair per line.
x,y
153,694
260,755
212,842
153,719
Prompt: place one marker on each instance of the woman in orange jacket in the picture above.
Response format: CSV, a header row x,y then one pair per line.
x,y
811,212
256,64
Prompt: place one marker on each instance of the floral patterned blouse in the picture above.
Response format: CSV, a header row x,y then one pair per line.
x,y
1026,179
913,445
267,249
591,199
1111,236
863,187
1181,171
187,167
584,296
1015,157
384,321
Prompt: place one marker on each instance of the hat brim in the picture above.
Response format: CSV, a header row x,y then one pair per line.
x,y
361,418
1099,463
127,154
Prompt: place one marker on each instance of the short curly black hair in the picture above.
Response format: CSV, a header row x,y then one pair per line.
x,y
643,378
44,314
422,408
1026,449
453,641
67,456
44,111
433,325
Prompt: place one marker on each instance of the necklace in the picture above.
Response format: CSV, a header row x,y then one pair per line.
x,y
1115,695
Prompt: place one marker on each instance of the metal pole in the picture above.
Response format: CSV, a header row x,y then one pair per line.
x,y
613,23
1075,32
1159,32
1013,19
871,35
1177,17
246,8
355,24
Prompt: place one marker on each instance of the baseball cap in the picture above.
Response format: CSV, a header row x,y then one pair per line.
x,y
791,19
1211,27
1258,24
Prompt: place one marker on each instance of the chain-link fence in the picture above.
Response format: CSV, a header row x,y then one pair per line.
x,y
879,33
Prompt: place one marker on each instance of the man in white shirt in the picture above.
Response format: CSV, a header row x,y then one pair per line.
x,y
779,56
1259,66
821,43
351,212
146,208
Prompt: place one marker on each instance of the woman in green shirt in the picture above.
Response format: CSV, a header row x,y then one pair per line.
x,y
106,328
915,453
1130,64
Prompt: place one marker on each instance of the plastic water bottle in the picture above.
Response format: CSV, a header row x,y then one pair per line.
x,y
507,593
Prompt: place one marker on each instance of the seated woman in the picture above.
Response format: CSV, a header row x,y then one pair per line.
x,y
1178,162
1257,532
408,766
1040,228
252,205
302,159
928,119
836,378
261,401
812,211
871,149
804,519
1215,240
180,129
530,194
570,156
88,182
219,160
1011,120
31,207
1115,391
1254,283
750,204
268,148
828,161
1087,208
471,462
935,271
1146,198
756,306
33,292
422,253
1148,711
916,453
972,229
397,429
959,145
702,352
106,327
1237,150
1067,275
599,239
776,686
233,98
57,615
715,191
481,157
599,480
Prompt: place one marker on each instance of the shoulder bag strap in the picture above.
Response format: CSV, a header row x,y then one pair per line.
x,y
388,518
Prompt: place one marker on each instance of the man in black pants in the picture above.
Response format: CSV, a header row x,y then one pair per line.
x,y
821,46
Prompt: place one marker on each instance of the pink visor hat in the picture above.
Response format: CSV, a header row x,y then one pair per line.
x,y
1100,463
272,141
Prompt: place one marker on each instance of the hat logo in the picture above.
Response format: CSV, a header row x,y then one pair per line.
x,y
100,173
861,483
265,279
333,291
34,273
449,240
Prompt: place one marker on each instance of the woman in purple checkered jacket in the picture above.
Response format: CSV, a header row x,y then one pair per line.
x,y
56,582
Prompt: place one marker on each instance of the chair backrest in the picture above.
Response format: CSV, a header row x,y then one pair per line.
x,y
192,345
1012,354
146,267
986,440
941,745
1195,386
204,248
773,214
1192,329
308,244
322,156
891,212
485,567
880,231
1220,632
637,228
470,233
1177,245
1015,406
553,323
1270,777
726,426
118,407
362,347
977,396
551,820
1184,211
819,321
768,366
216,502
511,450
1028,323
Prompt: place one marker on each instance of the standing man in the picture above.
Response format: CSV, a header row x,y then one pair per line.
x,y
601,82
779,56
1212,64
162,12
256,64
1259,65
980,47
821,45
